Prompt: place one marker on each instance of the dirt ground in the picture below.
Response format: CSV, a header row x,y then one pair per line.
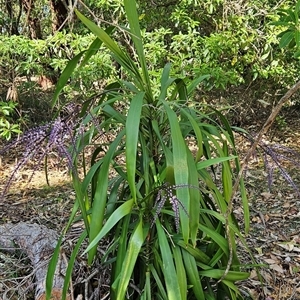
x,y
274,238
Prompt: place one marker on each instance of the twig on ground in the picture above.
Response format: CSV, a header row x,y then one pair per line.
x,y
87,280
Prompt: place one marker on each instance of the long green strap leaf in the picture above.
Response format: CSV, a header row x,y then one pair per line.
x,y
216,237
197,253
169,270
65,75
226,176
230,276
52,268
191,87
232,227
195,196
68,276
213,161
180,269
100,198
133,19
245,203
197,131
121,57
159,284
94,48
243,192
180,91
122,236
81,202
69,69
166,150
165,82
134,247
181,171
116,216
132,133
193,275
102,35
233,289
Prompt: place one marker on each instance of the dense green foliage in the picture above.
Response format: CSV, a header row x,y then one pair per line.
x,y
289,18
7,126
172,233
236,43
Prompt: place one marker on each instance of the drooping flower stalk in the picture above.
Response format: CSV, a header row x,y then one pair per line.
x,y
36,143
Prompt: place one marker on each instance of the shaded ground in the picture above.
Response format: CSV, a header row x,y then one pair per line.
x,y
274,238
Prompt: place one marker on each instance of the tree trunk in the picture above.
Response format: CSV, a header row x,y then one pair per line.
x,y
14,21
59,14
33,23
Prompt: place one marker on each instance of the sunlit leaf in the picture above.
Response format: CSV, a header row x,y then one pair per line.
x,y
100,197
181,171
169,270
134,247
286,39
132,132
116,216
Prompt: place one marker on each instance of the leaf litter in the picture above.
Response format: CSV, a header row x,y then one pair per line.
x,y
274,237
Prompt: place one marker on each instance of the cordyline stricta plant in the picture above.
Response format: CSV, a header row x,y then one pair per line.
x,y
152,191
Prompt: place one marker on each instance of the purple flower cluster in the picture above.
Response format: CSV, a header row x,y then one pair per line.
x,y
274,156
38,142
168,192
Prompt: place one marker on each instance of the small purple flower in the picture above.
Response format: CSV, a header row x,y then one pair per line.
x,y
168,192
274,156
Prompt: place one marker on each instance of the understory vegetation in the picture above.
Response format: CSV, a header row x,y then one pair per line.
x,y
237,44
159,100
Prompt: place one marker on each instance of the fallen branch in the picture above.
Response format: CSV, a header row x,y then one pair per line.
x,y
38,242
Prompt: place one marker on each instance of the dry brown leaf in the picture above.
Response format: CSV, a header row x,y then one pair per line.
x,y
277,268
266,195
270,261
253,274
290,246
273,256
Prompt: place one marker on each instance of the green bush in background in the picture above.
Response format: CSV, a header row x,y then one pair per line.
x,y
236,43
7,125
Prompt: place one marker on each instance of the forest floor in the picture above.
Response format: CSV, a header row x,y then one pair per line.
x,y
274,238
